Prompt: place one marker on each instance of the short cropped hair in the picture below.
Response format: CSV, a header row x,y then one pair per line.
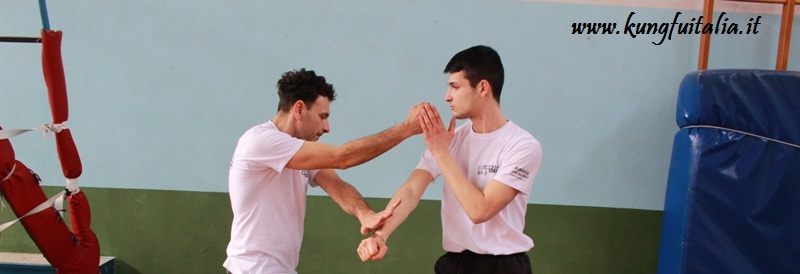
x,y
479,63
302,85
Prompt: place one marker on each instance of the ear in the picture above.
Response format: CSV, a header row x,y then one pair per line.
x,y
484,89
298,108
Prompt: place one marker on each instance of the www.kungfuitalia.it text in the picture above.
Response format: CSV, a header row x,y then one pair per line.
x,y
695,25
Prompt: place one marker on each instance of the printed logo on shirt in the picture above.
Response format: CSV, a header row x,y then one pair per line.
x,y
305,173
487,169
520,173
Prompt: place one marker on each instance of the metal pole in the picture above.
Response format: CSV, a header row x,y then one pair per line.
x,y
43,12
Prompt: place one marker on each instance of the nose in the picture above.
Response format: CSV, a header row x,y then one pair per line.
x,y
447,97
326,127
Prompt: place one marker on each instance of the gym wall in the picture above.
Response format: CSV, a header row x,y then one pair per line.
x,y
160,92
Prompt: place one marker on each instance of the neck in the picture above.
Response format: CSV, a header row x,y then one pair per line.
x,y
283,121
488,120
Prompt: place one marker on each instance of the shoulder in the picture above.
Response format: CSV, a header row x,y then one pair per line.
x,y
521,137
464,128
521,133
266,134
267,129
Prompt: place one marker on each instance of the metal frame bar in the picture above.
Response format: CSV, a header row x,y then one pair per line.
x,y
43,13
785,38
11,39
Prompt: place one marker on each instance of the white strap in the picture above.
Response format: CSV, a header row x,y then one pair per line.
x,y
45,205
72,186
10,172
58,204
745,133
46,128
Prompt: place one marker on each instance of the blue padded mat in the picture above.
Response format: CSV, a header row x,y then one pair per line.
x,y
733,193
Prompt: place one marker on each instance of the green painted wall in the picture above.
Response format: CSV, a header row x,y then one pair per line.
x,y
151,231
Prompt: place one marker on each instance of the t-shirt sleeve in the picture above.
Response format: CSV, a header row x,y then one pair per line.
x,y
428,163
311,174
520,167
273,150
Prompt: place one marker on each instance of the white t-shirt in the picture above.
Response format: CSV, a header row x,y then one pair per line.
x,y
268,202
509,155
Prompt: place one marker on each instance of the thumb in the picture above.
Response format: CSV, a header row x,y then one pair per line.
x,y
364,230
452,128
393,206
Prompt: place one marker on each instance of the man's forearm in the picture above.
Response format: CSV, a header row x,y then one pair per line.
x,y
357,152
349,199
409,196
469,196
400,215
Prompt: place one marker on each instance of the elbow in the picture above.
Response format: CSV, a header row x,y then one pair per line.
x,y
478,220
343,161
342,165
479,216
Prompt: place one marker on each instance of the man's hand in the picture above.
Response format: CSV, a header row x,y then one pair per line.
x,y
372,248
374,220
412,122
437,138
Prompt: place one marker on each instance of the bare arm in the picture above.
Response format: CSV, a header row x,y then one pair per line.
x,y
410,193
374,247
344,194
315,155
479,205
351,201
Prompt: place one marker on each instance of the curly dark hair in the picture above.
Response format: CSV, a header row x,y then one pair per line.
x,y
479,63
302,85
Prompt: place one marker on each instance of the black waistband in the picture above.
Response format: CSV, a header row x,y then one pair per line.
x,y
468,252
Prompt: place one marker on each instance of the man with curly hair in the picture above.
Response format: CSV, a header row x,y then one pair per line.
x,y
275,162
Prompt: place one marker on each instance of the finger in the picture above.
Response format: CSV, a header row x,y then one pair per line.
x,y
452,128
365,230
422,125
386,213
372,249
436,117
368,253
416,107
426,120
429,116
381,253
383,215
420,107
362,253
394,205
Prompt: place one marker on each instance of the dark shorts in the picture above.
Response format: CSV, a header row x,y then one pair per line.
x,y
468,262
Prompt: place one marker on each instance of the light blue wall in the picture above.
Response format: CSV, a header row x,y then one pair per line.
x,y
161,90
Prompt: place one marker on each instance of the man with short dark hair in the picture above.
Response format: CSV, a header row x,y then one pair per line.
x,y
488,163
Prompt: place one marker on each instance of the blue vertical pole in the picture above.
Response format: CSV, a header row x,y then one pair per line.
x,y
43,12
